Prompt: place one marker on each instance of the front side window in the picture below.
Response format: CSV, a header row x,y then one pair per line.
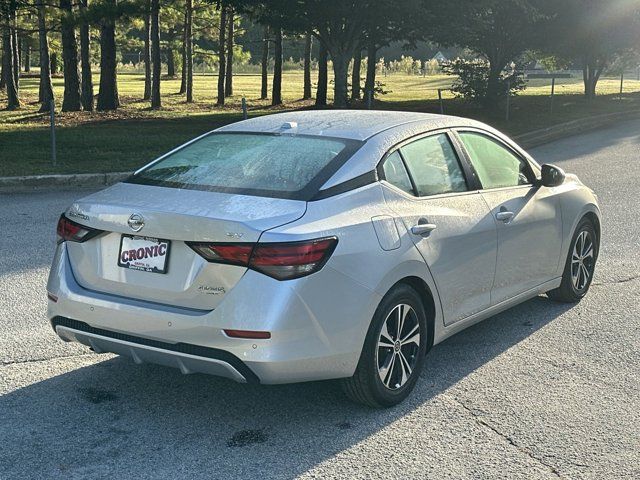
x,y
249,163
434,166
495,165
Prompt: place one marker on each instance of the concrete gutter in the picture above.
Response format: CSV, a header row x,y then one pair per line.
x,y
98,180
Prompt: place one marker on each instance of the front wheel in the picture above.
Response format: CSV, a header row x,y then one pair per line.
x,y
580,264
394,351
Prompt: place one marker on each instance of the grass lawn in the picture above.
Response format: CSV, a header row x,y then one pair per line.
x,y
134,134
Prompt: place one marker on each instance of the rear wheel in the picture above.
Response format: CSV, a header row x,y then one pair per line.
x,y
580,264
394,351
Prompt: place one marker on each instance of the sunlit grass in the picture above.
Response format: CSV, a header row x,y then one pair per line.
x,y
135,134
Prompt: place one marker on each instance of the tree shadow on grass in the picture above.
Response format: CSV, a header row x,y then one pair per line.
x,y
119,419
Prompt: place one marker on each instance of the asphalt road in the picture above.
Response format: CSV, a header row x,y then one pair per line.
x,y
543,390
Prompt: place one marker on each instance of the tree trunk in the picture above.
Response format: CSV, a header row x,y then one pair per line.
x,y
45,94
147,51
370,82
276,95
54,63
221,57
156,60
183,51
3,69
307,66
108,94
228,84
492,96
189,50
265,64
15,42
71,99
321,92
27,55
85,60
591,71
7,44
355,74
171,64
340,72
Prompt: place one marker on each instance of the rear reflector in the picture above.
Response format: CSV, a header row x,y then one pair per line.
x,y
71,231
282,261
247,334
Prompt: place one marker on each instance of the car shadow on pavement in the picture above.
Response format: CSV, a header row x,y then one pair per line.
x,y
114,418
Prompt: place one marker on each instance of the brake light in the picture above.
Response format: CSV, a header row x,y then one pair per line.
x,y
234,254
282,261
71,231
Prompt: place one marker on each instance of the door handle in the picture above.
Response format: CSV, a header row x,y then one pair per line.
x,y
423,228
504,216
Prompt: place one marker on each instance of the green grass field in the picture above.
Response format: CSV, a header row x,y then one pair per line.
x,y
134,134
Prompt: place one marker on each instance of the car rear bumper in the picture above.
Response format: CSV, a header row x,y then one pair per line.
x,y
186,357
311,339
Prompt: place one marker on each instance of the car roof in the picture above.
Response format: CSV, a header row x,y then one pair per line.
x,y
350,124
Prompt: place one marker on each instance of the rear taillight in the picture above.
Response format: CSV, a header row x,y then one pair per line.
x,y
74,232
282,261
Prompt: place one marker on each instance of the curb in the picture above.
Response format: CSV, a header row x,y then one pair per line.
x,y
40,182
527,140
574,127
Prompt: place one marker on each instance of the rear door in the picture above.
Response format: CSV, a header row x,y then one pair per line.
x,y
426,185
527,217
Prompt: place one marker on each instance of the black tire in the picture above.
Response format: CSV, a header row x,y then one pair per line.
x,y
568,291
366,386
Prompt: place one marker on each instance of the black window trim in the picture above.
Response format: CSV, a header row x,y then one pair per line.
x,y
531,171
307,193
468,174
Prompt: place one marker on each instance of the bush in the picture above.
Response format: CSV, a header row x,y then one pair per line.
x,y
473,79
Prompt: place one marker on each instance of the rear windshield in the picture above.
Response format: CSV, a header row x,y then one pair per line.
x,y
286,166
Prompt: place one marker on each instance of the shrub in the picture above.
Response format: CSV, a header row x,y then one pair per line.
x,y
473,79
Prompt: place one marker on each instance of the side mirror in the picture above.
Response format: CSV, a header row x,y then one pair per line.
x,y
552,176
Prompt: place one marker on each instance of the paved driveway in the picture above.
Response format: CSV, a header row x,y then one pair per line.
x,y
543,390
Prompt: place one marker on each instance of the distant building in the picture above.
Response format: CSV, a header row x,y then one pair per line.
x,y
440,57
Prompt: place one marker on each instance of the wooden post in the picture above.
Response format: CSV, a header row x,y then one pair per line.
x,y
244,108
508,100
621,83
553,89
369,99
441,102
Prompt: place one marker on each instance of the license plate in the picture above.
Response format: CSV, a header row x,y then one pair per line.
x,y
144,253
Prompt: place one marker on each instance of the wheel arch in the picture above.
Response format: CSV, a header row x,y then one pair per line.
x,y
428,302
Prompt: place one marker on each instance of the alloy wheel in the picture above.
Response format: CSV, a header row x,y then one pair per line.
x,y
398,346
582,260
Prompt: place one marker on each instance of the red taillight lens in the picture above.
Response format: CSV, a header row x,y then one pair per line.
x,y
74,232
234,254
292,260
282,261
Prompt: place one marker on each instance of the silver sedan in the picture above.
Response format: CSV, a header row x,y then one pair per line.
x,y
319,245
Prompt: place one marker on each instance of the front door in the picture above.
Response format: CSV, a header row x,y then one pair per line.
x,y
527,216
451,226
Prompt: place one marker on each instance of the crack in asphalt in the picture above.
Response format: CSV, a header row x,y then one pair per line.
x,y
507,438
44,359
613,282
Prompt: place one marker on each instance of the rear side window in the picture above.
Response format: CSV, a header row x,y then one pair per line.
x,y
287,166
495,165
396,174
434,166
